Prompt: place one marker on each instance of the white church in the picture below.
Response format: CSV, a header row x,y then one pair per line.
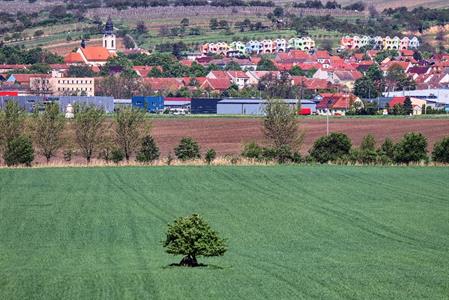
x,y
95,55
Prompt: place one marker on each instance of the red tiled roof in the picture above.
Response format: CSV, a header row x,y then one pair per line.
x,y
359,56
407,52
403,64
96,53
310,83
348,75
217,74
164,84
309,66
397,100
186,62
144,70
299,54
13,67
220,84
255,59
284,66
73,58
237,74
25,78
335,101
372,53
322,54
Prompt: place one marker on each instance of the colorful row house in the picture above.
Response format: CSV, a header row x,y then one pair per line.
x,y
382,43
258,47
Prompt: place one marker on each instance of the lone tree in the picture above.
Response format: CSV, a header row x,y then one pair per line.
x,y
47,130
127,131
88,129
280,126
192,237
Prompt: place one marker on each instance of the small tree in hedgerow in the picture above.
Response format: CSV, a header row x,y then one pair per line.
x,y
210,156
187,149
192,237
331,147
19,151
368,153
149,151
128,121
47,130
88,129
387,149
440,151
412,148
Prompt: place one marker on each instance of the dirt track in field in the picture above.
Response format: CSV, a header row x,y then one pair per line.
x,y
226,135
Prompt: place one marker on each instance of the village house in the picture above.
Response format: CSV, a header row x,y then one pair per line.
x,y
337,104
417,104
238,78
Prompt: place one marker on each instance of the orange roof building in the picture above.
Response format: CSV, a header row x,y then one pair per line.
x,y
73,58
95,55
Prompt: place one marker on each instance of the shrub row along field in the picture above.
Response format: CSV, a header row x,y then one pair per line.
x,y
293,232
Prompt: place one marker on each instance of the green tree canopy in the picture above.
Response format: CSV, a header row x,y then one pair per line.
x,y
193,237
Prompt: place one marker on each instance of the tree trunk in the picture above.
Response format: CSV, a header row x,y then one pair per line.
x,y
189,261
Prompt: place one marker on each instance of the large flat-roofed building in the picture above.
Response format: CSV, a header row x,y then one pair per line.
x,y
68,86
238,106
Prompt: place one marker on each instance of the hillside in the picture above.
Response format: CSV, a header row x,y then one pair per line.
x,y
293,232
52,26
382,4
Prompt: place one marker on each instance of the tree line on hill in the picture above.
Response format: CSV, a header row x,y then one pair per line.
x,y
129,136
19,55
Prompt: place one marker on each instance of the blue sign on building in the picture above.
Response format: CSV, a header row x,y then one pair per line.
x,y
149,103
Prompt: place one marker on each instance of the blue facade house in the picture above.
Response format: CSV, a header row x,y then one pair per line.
x,y
149,103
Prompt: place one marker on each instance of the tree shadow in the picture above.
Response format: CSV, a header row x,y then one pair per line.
x,y
178,265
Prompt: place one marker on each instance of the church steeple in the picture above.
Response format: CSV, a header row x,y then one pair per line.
x,y
109,27
109,41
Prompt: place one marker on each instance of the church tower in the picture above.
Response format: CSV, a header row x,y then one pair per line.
x,y
109,41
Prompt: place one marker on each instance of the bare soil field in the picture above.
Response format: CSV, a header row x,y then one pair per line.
x,y
226,135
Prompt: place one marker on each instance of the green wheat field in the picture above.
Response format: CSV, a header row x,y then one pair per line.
x,y
294,232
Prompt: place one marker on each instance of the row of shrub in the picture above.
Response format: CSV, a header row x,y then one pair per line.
x,y
334,148
128,135
337,148
20,151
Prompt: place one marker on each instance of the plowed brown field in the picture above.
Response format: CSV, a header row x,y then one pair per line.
x,y
226,135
